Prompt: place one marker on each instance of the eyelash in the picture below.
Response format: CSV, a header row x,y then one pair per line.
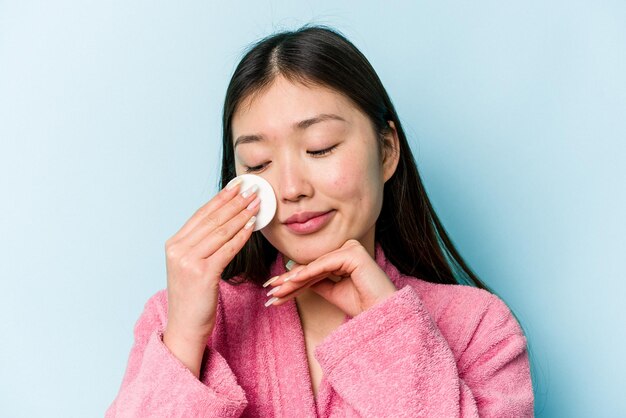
x,y
319,153
322,151
255,168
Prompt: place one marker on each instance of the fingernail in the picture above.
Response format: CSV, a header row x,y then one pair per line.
x,y
270,281
269,302
254,203
290,264
233,183
250,222
274,290
250,190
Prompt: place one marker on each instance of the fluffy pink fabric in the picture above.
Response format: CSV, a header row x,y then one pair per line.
x,y
429,350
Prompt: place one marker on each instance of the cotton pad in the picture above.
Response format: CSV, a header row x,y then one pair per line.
x,y
267,208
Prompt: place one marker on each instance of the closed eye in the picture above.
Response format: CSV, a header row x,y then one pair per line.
x,y
316,153
256,168
322,152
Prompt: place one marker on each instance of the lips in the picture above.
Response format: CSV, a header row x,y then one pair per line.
x,y
303,217
308,222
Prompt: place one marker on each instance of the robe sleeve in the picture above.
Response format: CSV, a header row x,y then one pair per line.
x,y
157,384
392,360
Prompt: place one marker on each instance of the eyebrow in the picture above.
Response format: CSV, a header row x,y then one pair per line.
x,y
302,125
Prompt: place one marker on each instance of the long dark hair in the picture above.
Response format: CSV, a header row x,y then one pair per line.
x,y
408,230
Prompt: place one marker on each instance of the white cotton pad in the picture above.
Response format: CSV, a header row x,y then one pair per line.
x,y
267,208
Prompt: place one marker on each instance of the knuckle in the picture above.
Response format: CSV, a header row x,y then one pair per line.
x,y
203,211
171,251
230,251
184,263
189,267
212,221
221,198
236,204
222,231
352,243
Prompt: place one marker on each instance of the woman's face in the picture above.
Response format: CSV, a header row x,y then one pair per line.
x,y
320,154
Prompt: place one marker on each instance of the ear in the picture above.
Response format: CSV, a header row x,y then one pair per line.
x,y
391,152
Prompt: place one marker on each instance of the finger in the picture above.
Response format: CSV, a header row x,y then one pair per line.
x,y
282,295
332,265
296,276
292,265
219,200
290,288
227,252
286,276
212,241
324,288
248,199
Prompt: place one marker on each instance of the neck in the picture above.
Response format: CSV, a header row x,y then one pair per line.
x,y
317,314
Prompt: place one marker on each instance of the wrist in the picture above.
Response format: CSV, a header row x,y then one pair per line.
x,y
189,351
189,338
383,295
189,331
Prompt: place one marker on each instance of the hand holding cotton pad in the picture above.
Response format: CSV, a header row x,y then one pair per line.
x,y
267,208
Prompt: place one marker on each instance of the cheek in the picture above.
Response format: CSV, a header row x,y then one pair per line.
x,y
341,183
356,183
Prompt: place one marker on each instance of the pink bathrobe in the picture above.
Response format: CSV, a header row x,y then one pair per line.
x,y
430,350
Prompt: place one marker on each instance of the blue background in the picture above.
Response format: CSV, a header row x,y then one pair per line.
x,y
110,128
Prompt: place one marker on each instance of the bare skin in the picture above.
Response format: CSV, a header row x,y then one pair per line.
x,y
195,257
319,318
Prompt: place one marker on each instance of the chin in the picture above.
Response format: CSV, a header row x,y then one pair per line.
x,y
306,253
306,250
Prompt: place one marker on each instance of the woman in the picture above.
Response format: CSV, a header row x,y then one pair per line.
x,y
348,303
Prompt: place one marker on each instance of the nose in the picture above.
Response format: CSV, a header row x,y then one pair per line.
x,y
293,181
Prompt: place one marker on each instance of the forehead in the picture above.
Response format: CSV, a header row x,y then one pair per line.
x,y
283,103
